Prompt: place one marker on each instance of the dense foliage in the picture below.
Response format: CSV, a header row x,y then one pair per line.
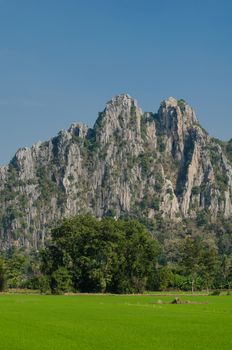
x,y
90,255
196,254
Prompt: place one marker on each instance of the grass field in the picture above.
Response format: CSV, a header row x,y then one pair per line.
x,y
114,322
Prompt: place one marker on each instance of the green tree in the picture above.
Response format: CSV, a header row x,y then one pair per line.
x,y
190,251
61,281
15,264
161,279
209,263
3,278
99,255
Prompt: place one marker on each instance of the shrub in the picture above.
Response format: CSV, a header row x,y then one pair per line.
x,y
196,190
61,281
216,292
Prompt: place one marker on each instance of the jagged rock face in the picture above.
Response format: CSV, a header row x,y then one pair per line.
x,y
130,164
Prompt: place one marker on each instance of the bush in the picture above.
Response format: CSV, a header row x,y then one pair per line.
x,y
61,281
161,279
44,285
201,218
216,292
196,190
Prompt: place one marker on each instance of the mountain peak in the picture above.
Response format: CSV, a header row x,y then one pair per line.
x,y
171,101
176,112
78,129
122,100
120,114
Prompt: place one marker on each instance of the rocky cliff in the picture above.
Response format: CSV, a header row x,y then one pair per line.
x,y
130,163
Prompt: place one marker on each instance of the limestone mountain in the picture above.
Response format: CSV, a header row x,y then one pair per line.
x,y
130,163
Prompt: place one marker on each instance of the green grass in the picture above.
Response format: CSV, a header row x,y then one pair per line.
x,y
114,322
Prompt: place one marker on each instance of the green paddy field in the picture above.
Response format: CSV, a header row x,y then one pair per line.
x,y
114,322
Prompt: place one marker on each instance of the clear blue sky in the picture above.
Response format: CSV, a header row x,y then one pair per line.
x,y
61,60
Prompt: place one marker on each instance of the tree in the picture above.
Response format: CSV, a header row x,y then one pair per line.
x,y
199,260
91,255
161,279
190,251
61,281
3,279
225,271
15,269
209,263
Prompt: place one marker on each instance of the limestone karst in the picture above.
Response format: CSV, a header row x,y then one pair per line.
x,y
131,163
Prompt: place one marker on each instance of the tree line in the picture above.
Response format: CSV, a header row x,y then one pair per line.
x,y
85,254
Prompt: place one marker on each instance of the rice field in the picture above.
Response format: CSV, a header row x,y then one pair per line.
x,y
112,322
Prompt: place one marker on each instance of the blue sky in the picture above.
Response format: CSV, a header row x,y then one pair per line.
x,y
61,60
